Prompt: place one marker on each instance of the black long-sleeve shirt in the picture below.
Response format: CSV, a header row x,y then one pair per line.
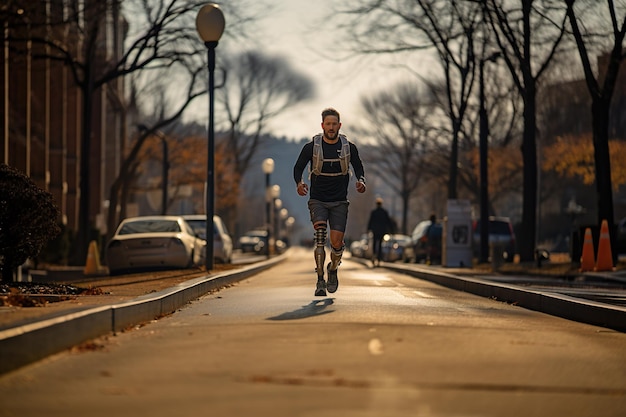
x,y
328,188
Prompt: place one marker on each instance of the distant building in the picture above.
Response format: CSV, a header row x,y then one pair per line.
x,y
565,108
41,104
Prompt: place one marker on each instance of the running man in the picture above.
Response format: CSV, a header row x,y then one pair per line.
x,y
329,155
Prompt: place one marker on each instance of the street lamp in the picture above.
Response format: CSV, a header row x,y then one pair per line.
x,y
284,213
276,204
166,168
289,226
210,26
268,168
483,150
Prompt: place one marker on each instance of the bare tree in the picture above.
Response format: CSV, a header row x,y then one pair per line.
x,y
448,27
257,89
398,122
502,104
601,88
119,188
519,27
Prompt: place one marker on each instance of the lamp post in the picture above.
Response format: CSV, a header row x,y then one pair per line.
x,y
210,26
276,204
284,213
483,150
289,226
166,168
268,168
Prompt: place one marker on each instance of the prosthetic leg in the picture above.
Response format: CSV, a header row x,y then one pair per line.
x,y
320,258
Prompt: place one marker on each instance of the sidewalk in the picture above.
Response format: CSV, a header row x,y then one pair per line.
x,y
48,330
37,333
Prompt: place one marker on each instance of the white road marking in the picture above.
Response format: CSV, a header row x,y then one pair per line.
x,y
375,347
423,294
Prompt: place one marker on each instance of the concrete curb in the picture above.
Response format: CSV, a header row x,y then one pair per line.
x,y
571,308
28,343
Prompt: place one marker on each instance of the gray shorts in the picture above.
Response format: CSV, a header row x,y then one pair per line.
x,y
335,213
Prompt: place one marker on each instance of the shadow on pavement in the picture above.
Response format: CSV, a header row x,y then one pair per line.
x,y
314,308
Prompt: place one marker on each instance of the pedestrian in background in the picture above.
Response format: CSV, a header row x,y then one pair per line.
x,y
433,243
379,225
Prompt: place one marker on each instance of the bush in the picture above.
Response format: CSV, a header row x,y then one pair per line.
x,y
28,220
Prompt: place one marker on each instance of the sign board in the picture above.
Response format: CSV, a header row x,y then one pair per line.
x,y
457,231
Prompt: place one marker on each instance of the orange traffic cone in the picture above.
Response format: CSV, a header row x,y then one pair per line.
x,y
587,261
92,265
605,256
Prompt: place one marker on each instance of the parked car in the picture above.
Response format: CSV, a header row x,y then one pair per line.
x,y
393,247
425,243
254,241
500,233
222,242
152,242
356,249
361,248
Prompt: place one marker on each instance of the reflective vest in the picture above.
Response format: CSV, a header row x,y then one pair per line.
x,y
318,157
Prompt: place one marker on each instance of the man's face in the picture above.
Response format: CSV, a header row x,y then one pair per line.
x,y
331,126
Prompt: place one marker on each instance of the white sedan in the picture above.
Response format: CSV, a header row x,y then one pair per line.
x,y
222,242
153,242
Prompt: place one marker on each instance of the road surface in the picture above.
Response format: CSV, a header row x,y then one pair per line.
x,y
384,345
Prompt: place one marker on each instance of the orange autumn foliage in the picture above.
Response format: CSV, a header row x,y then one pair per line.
x,y
505,168
188,166
573,157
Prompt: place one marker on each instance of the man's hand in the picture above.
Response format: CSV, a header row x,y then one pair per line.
x,y
360,187
302,188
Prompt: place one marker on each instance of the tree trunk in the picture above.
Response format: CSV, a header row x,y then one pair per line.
x,y
406,196
526,244
528,234
600,123
454,160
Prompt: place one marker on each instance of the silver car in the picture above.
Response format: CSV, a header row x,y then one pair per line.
x,y
152,242
393,247
254,241
222,242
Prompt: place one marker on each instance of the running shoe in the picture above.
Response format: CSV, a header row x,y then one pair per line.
x,y
333,282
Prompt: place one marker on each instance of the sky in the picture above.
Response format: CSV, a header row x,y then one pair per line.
x,y
297,32
338,84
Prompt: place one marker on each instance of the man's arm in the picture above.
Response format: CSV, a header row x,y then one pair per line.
x,y
355,160
303,159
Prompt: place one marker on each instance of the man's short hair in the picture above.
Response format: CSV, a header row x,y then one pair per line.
x,y
330,112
